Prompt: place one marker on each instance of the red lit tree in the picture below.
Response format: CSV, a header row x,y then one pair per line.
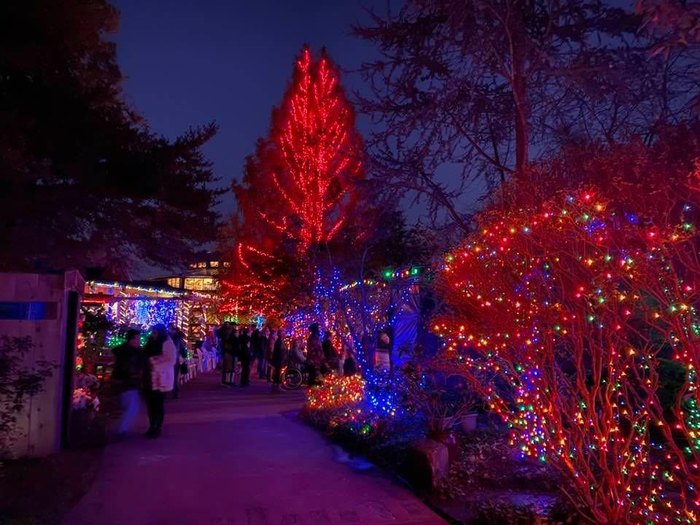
x,y
299,190
563,316
319,154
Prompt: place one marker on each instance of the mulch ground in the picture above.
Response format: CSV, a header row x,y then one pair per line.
x,y
490,483
40,491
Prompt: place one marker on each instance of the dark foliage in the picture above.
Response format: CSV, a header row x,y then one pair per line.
x,y
467,94
676,22
83,181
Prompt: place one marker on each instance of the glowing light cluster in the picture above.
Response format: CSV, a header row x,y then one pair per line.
x,y
335,392
116,288
118,338
308,168
354,312
320,152
560,317
144,313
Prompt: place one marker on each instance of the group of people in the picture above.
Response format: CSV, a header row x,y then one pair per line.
x,y
268,351
151,371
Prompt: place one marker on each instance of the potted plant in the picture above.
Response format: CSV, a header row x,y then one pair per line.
x,y
85,406
444,400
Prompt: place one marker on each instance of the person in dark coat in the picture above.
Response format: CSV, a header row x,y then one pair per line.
x,y
330,355
349,364
262,348
314,353
269,349
244,355
178,338
279,356
234,346
127,375
226,347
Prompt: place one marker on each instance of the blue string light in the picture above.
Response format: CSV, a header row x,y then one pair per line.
x,y
360,310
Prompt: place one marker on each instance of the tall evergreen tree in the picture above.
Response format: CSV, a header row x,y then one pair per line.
x,y
83,181
300,187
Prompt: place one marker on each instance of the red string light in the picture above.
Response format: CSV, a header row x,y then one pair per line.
x,y
300,188
561,317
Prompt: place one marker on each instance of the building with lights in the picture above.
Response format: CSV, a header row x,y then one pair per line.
x,y
117,306
201,276
142,305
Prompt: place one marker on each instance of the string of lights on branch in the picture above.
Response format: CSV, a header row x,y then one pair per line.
x,y
576,306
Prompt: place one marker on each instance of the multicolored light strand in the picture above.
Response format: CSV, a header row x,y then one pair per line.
x,y
335,392
560,316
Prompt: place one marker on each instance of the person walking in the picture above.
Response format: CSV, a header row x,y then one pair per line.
x,y
226,347
127,374
262,348
279,356
268,354
162,356
178,338
244,355
314,353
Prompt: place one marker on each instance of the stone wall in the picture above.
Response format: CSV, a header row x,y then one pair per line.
x,y
37,306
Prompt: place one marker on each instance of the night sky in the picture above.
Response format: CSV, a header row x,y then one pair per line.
x,y
188,62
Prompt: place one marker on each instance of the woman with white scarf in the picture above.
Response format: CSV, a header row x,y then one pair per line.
x,y
160,376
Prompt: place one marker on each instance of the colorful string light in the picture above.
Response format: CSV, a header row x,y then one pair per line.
x,y
559,317
335,392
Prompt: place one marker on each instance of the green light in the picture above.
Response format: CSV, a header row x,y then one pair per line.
x,y
414,271
388,273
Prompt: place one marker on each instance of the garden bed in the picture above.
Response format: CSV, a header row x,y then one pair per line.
x,y
490,483
487,482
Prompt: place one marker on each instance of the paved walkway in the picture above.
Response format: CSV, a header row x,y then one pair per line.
x,y
238,456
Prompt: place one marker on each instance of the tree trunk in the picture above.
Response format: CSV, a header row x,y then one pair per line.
x,y
518,80
522,131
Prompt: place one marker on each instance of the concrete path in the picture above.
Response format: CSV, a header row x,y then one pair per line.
x,y
238,456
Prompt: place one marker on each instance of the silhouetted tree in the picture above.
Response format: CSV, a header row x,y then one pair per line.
x,y
676,22
83,181
477,90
